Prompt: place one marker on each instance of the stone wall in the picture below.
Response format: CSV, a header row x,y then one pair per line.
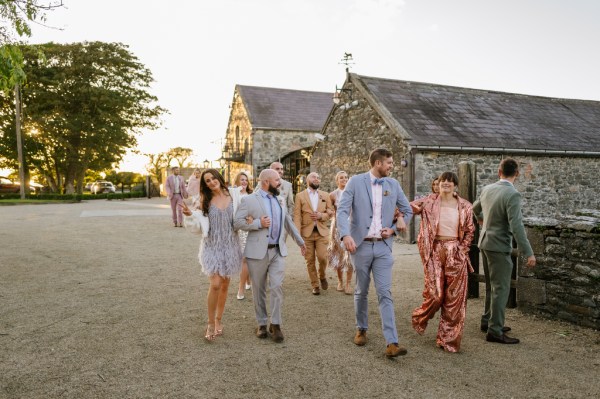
x,y
271,145
551,186
351,136
565,284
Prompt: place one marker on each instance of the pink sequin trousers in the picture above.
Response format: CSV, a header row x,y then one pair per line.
x,y
446,284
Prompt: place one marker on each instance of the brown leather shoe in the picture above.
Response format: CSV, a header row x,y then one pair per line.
x,y
360,338
394,350
276,333
503,339
316,291
261,332
324,283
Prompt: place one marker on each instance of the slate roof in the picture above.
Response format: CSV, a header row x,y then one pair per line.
x,y
285,109
435,115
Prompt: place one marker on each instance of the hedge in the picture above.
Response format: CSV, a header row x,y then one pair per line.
x,y
75,197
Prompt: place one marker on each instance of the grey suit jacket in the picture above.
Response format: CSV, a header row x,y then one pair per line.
x,y
500,208
287,193
355,209
258,237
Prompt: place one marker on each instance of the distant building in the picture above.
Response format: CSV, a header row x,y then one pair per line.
x,y
268,124
431,128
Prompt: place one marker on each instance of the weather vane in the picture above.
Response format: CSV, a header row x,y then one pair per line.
x,y
347,60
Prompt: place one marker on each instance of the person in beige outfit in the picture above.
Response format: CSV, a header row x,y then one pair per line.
x,y
312,211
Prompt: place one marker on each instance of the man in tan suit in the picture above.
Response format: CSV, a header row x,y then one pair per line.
x,y
312,211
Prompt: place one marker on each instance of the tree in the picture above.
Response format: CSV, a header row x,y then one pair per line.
x,y
87,101
17,14
181,155
156,163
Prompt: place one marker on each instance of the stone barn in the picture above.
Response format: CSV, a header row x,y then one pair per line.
x,y
431,128
268,124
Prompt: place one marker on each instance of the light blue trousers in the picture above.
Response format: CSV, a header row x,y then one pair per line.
x,y
375,258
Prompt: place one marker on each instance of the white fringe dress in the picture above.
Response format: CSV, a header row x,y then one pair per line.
x,y
220,250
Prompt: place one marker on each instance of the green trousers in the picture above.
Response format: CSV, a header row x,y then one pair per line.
x,y
499,271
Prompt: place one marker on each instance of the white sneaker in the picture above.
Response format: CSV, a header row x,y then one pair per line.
x,y
248,286
240,297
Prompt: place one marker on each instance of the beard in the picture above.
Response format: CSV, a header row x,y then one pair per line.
x,y
314,186
274,190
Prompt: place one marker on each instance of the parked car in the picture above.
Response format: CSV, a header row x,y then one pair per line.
x,y
102,187
8,186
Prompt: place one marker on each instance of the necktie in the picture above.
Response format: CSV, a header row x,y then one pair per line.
x,y
274,219
378,181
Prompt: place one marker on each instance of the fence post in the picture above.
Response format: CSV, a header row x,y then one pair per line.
x,y
467,189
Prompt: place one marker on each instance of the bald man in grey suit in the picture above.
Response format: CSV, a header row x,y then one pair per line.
x,y
498,210
265,217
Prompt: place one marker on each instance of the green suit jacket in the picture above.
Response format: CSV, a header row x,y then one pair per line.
x,y
500,208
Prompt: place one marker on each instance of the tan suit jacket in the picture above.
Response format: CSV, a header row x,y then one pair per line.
x,y
303,209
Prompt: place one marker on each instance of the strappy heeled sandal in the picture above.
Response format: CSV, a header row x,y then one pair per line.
x,y
219,331
210,333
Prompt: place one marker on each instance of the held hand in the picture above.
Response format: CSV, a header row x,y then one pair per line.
x,y
265,221
531,261
315,216
396,213
416,208
303,250
185,209
400,225
386,233
349,244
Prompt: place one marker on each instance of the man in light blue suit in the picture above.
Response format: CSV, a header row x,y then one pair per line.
x,y
365,220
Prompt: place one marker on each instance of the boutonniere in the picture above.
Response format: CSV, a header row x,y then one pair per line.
x,y
386,193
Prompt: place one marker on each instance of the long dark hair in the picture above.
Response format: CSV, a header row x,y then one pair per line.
x,y
207,194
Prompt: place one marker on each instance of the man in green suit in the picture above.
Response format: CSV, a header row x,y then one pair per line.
x,y
498,210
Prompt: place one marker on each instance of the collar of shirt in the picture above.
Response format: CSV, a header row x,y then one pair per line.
x,y
263,193
504,180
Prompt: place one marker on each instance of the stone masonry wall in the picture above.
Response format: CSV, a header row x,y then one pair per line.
x,y
565,284
271,145
238,118
550,185
351,136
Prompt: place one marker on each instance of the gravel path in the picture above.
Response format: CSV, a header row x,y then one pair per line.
x,y
104,299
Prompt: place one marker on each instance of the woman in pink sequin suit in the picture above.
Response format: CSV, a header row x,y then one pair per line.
x,y
444,239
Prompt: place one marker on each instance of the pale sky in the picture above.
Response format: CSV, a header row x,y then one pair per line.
x,y
199,50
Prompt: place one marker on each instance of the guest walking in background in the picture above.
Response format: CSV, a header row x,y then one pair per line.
x,y
338,258
265,217
193,188
365,219
444,241
285,191
311,214
176,193
241,183
220,251
498,210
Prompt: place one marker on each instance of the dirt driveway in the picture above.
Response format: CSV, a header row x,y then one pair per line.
x,y
104,299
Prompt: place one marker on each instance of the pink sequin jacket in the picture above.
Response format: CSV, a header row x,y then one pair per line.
x,y
430,217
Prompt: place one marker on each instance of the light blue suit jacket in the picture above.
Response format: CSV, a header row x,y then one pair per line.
x,y
355,210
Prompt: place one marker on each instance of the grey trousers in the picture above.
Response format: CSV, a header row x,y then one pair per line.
x,y
498,273
375,258
273,267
